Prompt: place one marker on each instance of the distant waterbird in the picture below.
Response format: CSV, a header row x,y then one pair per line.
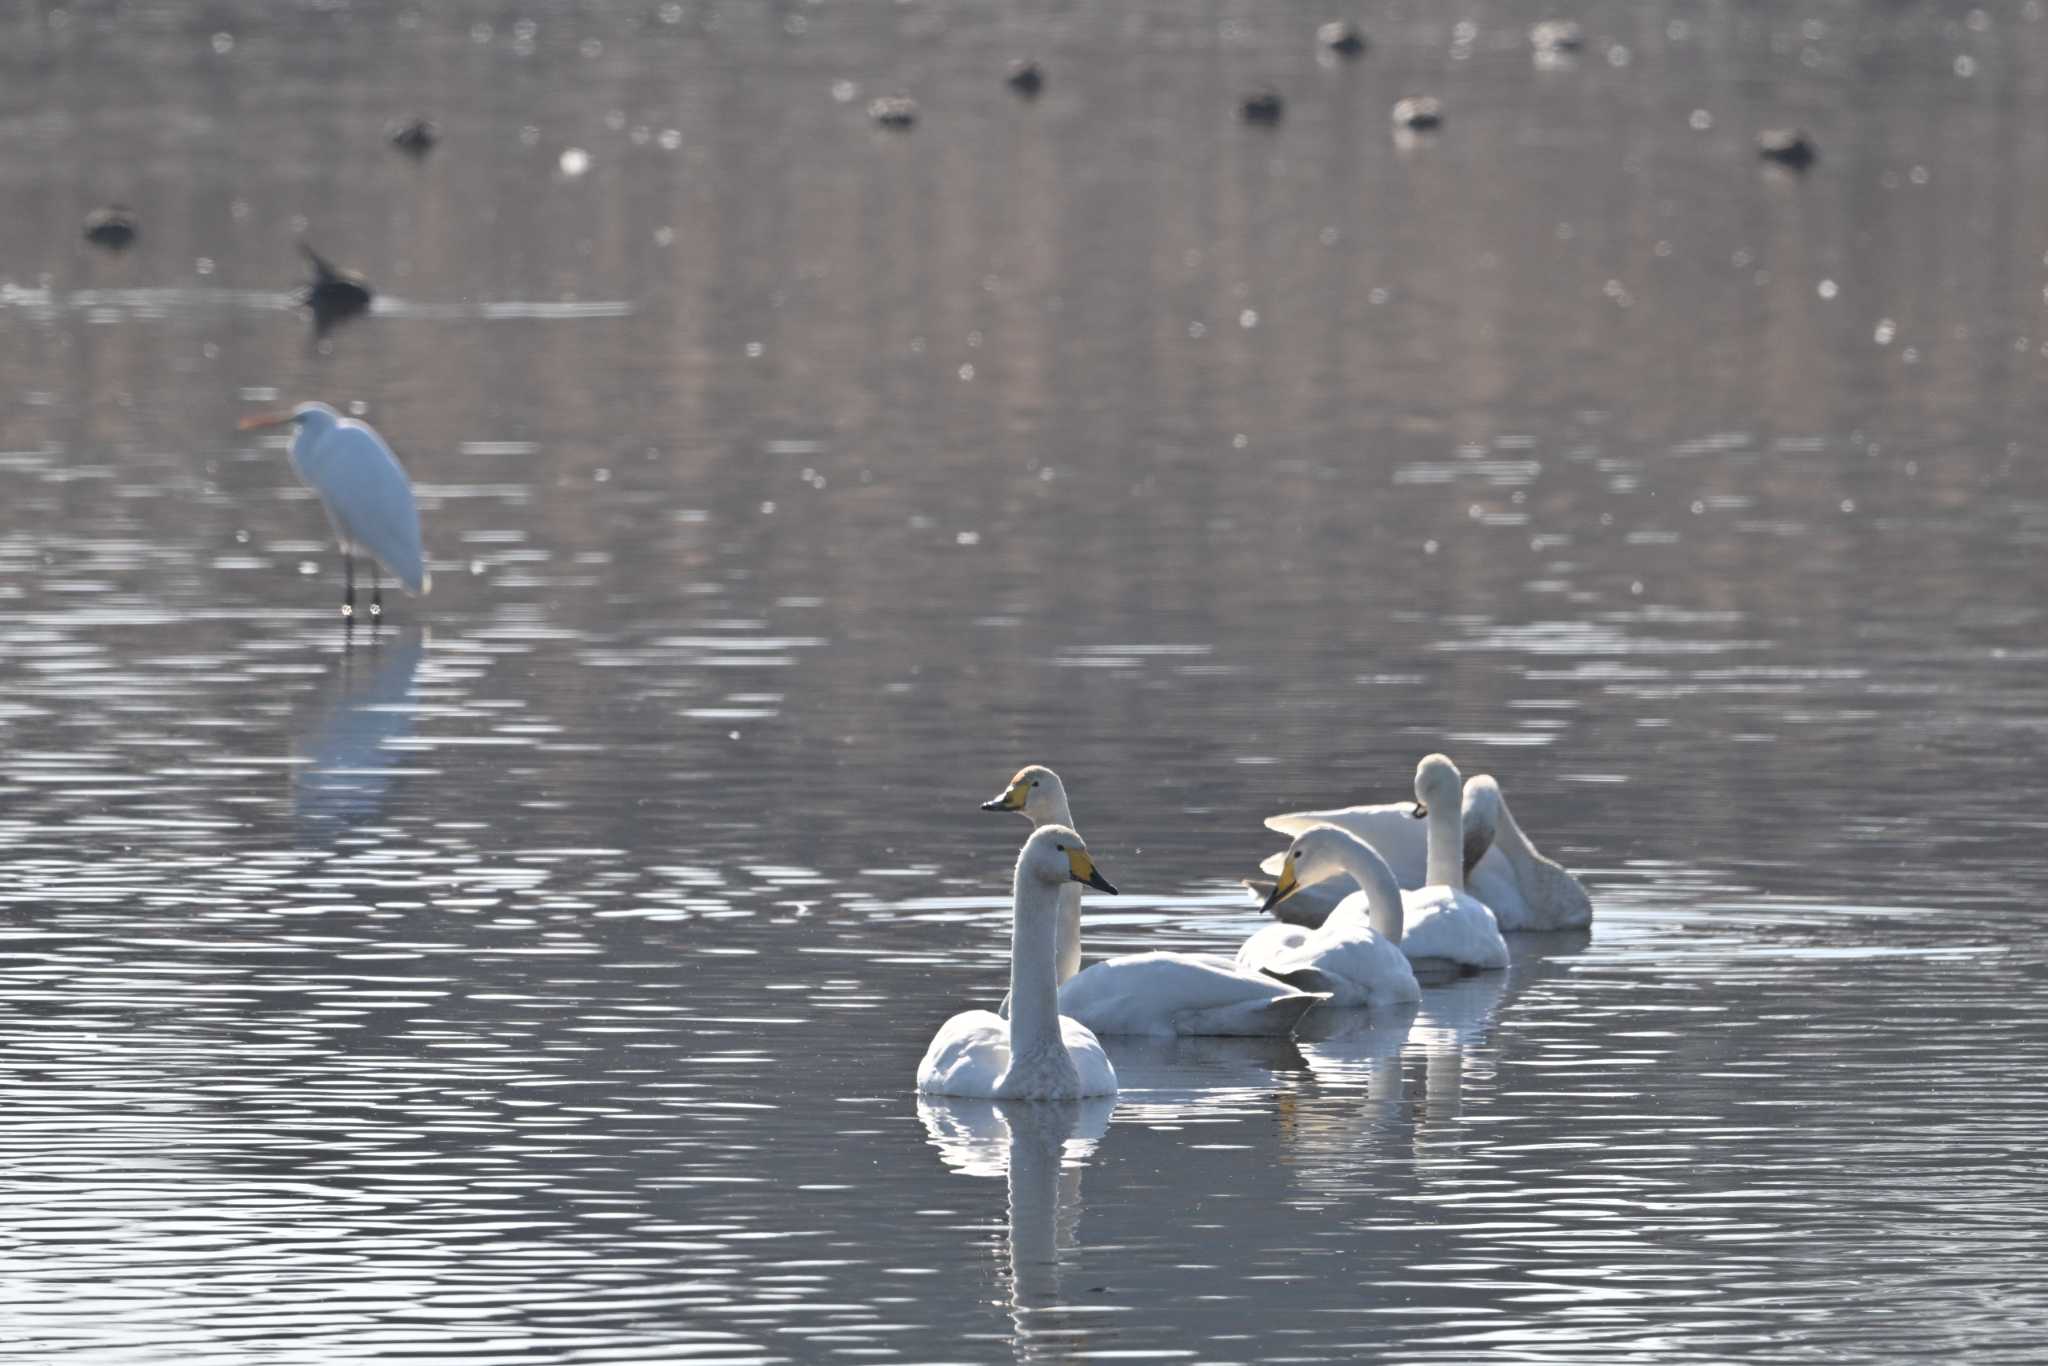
x,y
1262,106
365,492
1787,147
333,294
1418,114
1026,77
112,226
1342,37
893,111
415,137
1553,37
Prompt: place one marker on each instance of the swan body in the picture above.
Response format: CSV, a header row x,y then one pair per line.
x,y
1525,890
1168,994
971,1055
1035,1054
1356,955
1160,994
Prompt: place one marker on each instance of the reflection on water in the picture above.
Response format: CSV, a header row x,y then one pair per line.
x,y
545,989
1041,1148
345,765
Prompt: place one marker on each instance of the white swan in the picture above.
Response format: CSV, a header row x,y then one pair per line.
x,y
1448,929
1396,826
1356,956
1161,994
1525,890
1035,1054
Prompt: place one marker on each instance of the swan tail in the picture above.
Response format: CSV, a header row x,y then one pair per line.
x,y
1277,1016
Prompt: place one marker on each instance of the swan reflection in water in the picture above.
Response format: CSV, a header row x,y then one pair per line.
x,y
344,769
1449,1033
1040,1146
1203,1076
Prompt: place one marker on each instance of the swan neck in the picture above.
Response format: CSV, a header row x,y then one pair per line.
x,y
1384,910
1446,846
1509,839
1067,950
1067,942
1057,812
1034,988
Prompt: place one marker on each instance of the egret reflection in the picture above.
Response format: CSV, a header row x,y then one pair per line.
x,y
1040,1146
344,772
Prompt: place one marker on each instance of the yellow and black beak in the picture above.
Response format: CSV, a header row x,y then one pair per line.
x,y
1011,800
1285,887
258,421
1084,870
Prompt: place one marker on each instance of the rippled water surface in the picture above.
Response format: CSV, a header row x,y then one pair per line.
x,y
543,979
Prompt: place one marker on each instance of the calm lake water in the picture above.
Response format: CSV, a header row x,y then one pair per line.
x,y
544,981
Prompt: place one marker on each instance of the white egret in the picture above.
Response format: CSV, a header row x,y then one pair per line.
x,y
368,499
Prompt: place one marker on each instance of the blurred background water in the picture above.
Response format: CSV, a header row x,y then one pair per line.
x,y
544,980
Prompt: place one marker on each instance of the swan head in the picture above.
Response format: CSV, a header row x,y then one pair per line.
x,y
1480,817
1324,851
1055,854
1036,791
1437,783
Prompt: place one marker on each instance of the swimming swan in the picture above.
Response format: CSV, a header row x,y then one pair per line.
x,y
1356,956
1525,890
1398,826
1160,994
1036,1054
1447,928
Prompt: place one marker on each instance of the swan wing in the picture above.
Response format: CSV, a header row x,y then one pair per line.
x,y
1269,944
1098,1078
1178,993
1392,831
967,1055
1358,965
1554,899
1496,885
1356,819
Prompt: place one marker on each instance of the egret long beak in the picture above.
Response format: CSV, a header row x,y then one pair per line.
x,y
258,421
1284,888
1084,870
1011,800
